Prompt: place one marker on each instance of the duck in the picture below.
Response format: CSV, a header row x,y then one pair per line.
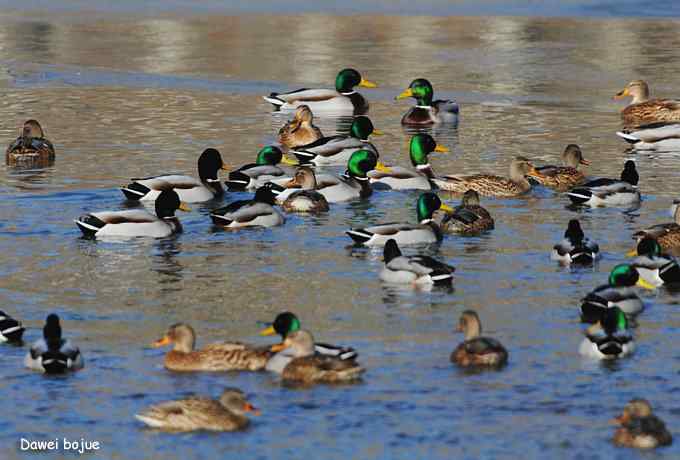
x,y
642,109
286,323
189,189
308,367
354,183
609,338
425,231
399,178
257,212
476,350
609,192
344,100
31,148
667,235
655,268
336,150
415,270
575,248
53,354
618,292
468,218
266,168
562,178
639,428
216,357
11,330
300,130
426,111
136,222
300,194
653,137
490,185
199,413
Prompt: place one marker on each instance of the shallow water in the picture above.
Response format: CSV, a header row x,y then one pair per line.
x,y
135,96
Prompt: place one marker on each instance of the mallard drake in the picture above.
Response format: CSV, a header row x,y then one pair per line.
x,y
477,351
286,323
197,413
399,178
562,178
307,367
489,185
468,218
344,100
31,148
354,182
11,330
640,428
609,192
52,354
642,109
618,293
254,175
653,267
415,270
189,189
300,130
427,111
215,357
336,150
657,137
136,222
667,235
609,338
300,193
575,247
258,212
426,231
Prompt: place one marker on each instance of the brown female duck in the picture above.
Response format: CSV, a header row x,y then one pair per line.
x,y
642,109
307,367
640,428
490,185
300,130
477,351
469,218
197,413
562,178
667,235
214,357
31,148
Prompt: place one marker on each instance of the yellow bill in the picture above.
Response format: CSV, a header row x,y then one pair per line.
x,y
278,347
377,132
184,207
367,84
623,93
382,168
644,284
289,161
408,92
632,253
269,331
441,149
446,207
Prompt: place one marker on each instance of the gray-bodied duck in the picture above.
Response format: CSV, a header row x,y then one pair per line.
x,y
53,354
575,248
415,270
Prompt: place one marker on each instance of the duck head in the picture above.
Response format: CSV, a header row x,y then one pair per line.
x,y
209,164
180,335
573,156
298,344
427,204
269,155
646,247
167,203
362,128
363,161
52,332
420,147
469,324
304,178
626,275
574,233
421,90
629,173
234,400
347,79
637,89
32,129
283,324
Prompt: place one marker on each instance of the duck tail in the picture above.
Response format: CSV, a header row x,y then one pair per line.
x,y
54,362
628,137
274,100
579,195
359,235
135,191
219,219
237,181
89,224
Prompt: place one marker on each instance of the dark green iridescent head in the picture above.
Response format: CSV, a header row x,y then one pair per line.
x,y
427,204
421,90
269,155
623,275
285,323
346,80
421,146
361,128
648,247
361,162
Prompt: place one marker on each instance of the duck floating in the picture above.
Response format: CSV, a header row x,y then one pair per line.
x,y
189,189
575,248
609,338
253,175
300,130
609,192
53,354
654,267
667,235
490,185
11,330
414,270
31,148
655,137
344,100
639,428
562,178
300,193
257,212
426,111
642,109
476,350
468,218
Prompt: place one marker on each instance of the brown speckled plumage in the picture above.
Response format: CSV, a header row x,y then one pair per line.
x,y
644,110
469,218
562,178
31,148
640,428
477,351
490,185
300,130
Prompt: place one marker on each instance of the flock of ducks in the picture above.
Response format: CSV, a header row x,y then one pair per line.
x,y
286,176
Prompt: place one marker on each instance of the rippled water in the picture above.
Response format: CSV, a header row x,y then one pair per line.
x,y
135,96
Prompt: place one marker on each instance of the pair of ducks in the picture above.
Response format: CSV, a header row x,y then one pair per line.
x,y
344,100
52,354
